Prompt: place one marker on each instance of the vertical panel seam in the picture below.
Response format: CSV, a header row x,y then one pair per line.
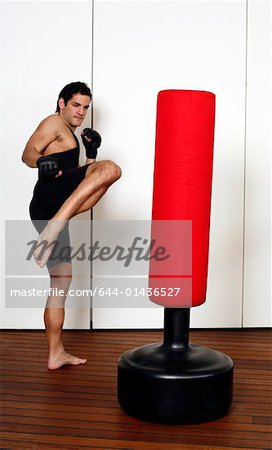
x,y
244,170
91,212
92,58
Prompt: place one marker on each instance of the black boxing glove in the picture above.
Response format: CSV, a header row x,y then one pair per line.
x,y
48,166
92,145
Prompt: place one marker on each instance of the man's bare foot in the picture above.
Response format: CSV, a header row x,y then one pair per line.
x,y
48,236
62,359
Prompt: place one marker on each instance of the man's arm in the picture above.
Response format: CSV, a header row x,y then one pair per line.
x,y
90,160
46,133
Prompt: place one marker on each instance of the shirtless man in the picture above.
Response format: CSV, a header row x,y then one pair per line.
x,y
63,190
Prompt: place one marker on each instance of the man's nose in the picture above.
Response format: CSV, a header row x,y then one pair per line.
x,y
81,112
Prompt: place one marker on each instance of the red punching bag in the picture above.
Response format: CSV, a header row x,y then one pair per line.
x,y
175,381
182,192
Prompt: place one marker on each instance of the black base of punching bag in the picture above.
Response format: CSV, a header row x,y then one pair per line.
x,y
175,382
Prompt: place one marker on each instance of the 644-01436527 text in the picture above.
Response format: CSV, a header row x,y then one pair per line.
x,y
137,292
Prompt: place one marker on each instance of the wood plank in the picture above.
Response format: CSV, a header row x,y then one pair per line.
x,y
93,443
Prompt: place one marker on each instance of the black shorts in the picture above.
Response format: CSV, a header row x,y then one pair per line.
x,y
48,197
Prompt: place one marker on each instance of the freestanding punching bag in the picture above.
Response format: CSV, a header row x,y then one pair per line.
x,y
174,381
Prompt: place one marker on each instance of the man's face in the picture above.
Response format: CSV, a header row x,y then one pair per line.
x,y
74,112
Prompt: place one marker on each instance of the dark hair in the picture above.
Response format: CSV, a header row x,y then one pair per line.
x,y
71,89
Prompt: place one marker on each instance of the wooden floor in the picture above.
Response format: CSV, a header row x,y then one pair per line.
x,y
76,407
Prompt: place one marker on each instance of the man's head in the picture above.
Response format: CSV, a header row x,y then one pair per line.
x,y
73,102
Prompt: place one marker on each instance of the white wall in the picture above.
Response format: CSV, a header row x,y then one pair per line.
x,y
45,46
141,48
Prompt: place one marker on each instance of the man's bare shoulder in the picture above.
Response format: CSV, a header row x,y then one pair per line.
x,y
52,122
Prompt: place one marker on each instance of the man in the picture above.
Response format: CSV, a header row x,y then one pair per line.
x,y
62,191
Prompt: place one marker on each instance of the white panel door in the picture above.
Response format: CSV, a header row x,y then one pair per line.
x,y
257,280
141,48
45,45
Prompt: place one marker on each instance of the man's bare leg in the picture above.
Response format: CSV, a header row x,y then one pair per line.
x,y
99,177
54,318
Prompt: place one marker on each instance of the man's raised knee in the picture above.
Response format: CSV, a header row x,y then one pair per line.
x,y
112,171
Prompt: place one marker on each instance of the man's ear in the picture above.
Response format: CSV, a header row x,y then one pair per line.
x,y
61,103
